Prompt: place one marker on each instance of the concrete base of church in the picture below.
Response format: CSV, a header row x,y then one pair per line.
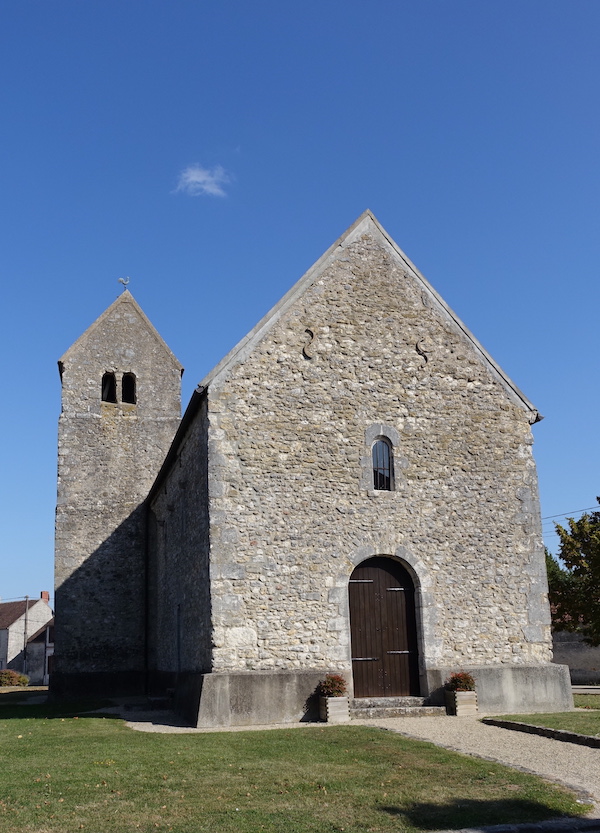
x,y
248,698
254,698
511,689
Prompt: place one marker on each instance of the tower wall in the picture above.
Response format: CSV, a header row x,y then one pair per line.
x,y
109,453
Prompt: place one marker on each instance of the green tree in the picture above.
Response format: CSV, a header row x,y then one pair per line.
x,y
575,588
562,595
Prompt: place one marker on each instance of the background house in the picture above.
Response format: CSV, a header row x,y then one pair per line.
x,y
40,654
19,621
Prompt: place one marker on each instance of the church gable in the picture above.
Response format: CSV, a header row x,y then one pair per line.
x,y
124,314
366,265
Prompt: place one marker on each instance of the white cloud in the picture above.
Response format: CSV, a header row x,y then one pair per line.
x,y
196,180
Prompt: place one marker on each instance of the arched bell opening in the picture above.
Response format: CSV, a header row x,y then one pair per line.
x,y
128,389
109,388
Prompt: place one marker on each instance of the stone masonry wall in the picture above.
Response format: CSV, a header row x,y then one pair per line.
x,y
291,504
108,457
180,636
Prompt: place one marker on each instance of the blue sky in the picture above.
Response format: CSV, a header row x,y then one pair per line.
x,y
212,151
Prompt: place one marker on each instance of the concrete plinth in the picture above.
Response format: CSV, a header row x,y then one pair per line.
x,y
512,689
249,698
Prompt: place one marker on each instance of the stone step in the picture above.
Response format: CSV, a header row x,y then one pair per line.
x,y
396,711
365,708
379,702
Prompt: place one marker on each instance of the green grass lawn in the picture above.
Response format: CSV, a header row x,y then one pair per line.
x,y
62,771
583,722
587,701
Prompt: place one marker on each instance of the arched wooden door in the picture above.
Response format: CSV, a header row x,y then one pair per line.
x,y
383,629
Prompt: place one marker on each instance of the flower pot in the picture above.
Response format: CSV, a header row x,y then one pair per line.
x,y
461,703
334,709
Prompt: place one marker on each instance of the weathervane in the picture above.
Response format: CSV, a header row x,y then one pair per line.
x,y
124,281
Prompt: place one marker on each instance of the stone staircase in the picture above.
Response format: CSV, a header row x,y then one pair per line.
x,y
363,708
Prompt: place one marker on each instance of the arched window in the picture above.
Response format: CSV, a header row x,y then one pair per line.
x,y
383,466
109,388
128,389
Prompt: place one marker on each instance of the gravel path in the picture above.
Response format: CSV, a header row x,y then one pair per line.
x,y
575,766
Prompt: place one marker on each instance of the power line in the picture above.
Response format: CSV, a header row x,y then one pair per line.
x,y
549,526
572,512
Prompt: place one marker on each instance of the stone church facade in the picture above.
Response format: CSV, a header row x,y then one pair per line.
x,y
352,489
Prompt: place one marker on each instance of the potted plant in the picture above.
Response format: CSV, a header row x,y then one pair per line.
x,y
461,697
333,699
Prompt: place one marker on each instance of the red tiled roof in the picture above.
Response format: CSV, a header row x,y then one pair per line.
x,y
10,612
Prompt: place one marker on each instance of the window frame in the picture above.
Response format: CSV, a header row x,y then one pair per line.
x,y
383,469
373,433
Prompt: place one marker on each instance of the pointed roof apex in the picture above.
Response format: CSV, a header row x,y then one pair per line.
x,y
366,221
124,298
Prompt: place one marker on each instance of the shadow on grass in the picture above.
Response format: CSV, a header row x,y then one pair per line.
x,y
19,705
472,813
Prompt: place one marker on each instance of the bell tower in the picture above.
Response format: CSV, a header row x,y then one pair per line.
x,y
121,405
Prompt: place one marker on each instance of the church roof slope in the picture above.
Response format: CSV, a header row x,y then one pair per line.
x,y
365,223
